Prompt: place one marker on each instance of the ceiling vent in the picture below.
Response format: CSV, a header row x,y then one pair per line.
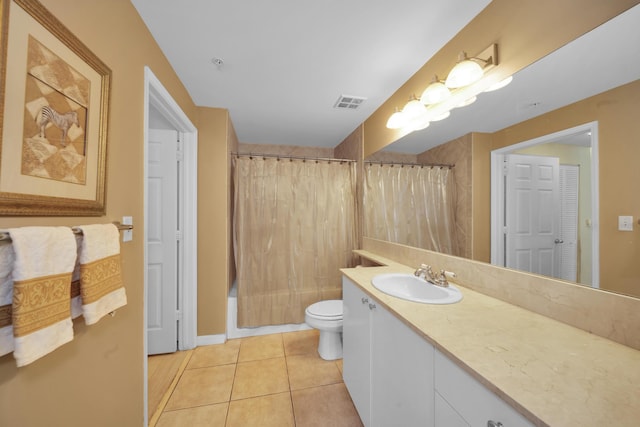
x,y
348,102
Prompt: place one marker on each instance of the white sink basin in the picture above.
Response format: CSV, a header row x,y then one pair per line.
x,y
412,288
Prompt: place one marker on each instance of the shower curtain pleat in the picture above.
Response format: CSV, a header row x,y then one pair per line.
x,y
412,205
294,228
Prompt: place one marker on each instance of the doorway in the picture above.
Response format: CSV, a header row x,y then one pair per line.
x,y
580,146
161,111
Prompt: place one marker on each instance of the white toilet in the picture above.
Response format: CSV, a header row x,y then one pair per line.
x,y
326,316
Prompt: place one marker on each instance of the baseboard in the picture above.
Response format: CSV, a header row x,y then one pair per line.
x,y
210,339
234,332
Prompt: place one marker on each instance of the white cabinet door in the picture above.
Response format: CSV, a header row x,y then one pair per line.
x,y
387,367
402,374
470,399
356,348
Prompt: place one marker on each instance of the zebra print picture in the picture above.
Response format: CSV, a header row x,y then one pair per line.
x,y
54,103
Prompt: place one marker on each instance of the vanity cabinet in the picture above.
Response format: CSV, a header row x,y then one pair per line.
x,y
445,415
387,367
463,401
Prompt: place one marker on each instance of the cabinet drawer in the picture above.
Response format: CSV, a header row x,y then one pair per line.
x,y
476,404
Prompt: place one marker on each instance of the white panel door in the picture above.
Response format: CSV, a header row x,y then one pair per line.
x,y
162,248
532,213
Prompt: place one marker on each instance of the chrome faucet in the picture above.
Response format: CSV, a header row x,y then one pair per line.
x,y
438,280
425,271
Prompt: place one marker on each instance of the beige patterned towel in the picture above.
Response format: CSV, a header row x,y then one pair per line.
x,y
101,285
44,261
6,298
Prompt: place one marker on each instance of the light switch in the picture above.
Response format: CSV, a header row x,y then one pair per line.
x,y
625,223
127,235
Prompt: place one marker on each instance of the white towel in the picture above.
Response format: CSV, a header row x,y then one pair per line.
x,y
44,261
6,298
101,285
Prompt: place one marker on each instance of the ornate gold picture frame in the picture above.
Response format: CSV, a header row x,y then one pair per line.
x,y
54,106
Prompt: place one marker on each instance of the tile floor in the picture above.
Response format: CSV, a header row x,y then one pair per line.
x,y
272,380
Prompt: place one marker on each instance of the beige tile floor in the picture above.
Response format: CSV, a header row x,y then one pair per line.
x,y
273,380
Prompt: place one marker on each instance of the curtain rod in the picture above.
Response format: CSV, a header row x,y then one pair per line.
x,y
6,238
279,156
432,165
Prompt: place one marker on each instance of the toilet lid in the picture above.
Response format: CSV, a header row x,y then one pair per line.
x,y
327,309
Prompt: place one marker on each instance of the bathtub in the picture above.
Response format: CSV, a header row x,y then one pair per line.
x,y
232,321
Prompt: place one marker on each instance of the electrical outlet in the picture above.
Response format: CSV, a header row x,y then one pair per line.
x,y
127,235
625,223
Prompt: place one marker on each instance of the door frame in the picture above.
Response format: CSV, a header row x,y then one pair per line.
x,y
497,194
156,96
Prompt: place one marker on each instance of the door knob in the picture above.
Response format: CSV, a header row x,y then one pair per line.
x,y
557,241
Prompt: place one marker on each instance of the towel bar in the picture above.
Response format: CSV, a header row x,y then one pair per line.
x,y
6,238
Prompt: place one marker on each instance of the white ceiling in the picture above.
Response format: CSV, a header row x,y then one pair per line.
x,y
286,62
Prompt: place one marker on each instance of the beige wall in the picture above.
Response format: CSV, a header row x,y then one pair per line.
x,y
480,204
97,379
215,261
524,30
232,143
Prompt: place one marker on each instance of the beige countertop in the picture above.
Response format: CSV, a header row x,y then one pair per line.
x,y
552,373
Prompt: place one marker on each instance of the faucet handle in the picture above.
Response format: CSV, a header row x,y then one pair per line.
x,y
447,274
443,276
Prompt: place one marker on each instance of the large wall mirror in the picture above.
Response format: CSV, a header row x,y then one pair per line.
x,y
586,95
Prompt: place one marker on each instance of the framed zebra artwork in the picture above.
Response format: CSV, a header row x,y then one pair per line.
x,y
54,107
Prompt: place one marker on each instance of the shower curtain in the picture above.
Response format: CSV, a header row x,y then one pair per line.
x,y
411,204
294,228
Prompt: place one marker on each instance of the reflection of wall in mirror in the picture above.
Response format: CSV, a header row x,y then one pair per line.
x,y
616,112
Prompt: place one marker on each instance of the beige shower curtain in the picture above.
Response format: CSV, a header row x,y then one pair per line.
x,y
294,228
412,205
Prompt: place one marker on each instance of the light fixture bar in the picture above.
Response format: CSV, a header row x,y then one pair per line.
x,y
412,118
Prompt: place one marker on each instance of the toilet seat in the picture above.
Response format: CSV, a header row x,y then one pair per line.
x,y
328,310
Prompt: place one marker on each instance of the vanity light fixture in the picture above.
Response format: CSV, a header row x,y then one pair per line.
x,y
414,108
397,120
499,85
467,101
467,71
441,116
465,81
435,92
418,123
